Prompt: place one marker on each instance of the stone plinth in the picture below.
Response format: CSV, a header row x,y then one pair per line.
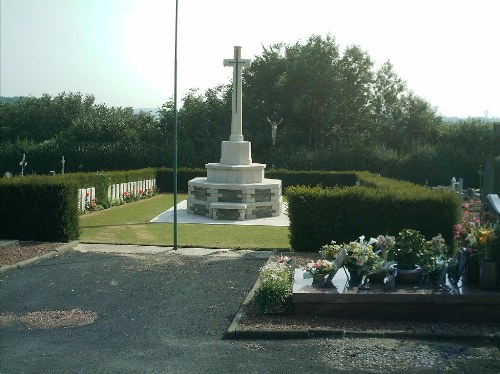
x,y
236,153
234,201
221,173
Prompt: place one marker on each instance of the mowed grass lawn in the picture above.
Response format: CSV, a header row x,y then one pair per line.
x,y
129,224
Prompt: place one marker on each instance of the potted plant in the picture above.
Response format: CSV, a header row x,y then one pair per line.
x,y
408,253
488,246
360,258
434,259
380,268
318,270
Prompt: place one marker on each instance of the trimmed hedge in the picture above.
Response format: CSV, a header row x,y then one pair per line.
x,y
39,208
312,178
164,178
319,215
102,180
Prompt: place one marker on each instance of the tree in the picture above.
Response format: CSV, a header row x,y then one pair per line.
x,y
351,114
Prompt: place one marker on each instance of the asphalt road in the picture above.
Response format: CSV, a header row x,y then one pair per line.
x,y
168,312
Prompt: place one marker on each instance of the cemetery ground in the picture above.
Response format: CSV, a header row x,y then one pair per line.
x,y
115,308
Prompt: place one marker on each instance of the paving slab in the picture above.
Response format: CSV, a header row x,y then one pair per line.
x,y
184,217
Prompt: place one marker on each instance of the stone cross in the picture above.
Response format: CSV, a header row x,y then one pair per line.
x,y
236,119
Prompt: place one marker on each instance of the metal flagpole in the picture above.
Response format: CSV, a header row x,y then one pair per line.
x,y
175,127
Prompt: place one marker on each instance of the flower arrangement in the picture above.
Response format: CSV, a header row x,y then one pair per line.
x,y
408,249
360,255
434,256
275,287
475,236
331,251
320,267
383,244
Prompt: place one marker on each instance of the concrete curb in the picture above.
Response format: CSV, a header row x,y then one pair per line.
x,y
260,334
232,331
57,251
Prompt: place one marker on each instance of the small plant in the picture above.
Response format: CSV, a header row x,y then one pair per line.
x,y
331,251
408,249
434,256
383,244
275,288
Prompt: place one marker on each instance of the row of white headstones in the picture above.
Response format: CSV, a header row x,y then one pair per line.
x,y
116,192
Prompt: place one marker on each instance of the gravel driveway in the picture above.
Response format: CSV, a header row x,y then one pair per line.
x,y
168,312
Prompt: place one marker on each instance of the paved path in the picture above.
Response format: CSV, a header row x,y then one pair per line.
x,y
168,312
184,217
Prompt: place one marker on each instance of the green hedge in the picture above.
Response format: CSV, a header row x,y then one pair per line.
x,y
102,180
164,178
319,215
39,208
312,178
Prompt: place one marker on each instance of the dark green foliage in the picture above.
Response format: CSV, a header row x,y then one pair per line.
x,y
39,208
102,180
165,178
319,215
332,108
312,178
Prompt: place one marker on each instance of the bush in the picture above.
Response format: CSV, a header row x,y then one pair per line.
x,y
39,208
275,288
379,206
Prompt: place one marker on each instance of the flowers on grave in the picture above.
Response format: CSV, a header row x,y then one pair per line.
x,y
320,267
284,261
360,255
488,242
331,251
434,256
408,249
382,244
275,286
475,236
465,233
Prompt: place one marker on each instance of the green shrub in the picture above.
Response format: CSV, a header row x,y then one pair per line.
x,y
275,288
378,206
39,208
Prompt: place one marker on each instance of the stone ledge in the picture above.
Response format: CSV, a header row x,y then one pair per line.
x,y
218,205
405,302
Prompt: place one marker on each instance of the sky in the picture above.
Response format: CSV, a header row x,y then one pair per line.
x,y
122,51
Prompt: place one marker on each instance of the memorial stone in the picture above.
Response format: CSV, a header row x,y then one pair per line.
x,y
235,187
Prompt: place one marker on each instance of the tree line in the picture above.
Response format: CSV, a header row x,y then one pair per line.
x,y
306,106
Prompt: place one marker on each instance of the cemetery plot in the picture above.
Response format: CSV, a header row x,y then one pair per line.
x,y
404,302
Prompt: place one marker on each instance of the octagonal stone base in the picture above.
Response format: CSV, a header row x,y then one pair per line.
x,y
234,201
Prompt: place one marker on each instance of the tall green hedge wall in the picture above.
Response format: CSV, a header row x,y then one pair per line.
x,y
39,208
379,205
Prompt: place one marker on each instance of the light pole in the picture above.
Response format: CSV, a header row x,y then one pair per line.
x,y
175,126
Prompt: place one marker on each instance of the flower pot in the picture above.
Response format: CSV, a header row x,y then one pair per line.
x,y
377,277
318,279
473,270
408,276
488,275
355,274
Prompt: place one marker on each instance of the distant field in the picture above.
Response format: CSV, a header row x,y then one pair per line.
x,y
129,224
